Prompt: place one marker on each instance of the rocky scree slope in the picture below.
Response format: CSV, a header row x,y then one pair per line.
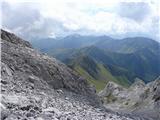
x,y
35,86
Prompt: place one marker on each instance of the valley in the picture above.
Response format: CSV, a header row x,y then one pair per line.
x,y
36,86
101,58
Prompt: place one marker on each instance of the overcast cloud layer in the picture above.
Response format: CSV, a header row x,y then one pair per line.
x,y
54,18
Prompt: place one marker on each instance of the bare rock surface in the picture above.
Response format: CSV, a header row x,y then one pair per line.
x,y
35,86
139,99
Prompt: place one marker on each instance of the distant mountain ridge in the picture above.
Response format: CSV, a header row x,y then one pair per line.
x,y
102,42
128,45
37,86
124,59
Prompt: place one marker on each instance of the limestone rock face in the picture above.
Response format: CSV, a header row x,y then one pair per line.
x,y
35,86
139,99
111,88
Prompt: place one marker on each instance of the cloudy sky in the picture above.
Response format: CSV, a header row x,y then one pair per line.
x,y
56,18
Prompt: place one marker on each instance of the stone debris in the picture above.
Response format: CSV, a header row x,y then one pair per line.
x,y
35,86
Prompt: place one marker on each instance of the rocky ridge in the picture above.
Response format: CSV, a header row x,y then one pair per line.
x,y
139,99
35,86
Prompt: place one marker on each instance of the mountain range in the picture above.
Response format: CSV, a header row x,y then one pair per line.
x,y
35,86
101,58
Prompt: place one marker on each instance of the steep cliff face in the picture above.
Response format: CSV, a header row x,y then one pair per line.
x,y
36,86
139,99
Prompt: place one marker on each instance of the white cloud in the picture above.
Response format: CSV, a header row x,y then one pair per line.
x,y
94,16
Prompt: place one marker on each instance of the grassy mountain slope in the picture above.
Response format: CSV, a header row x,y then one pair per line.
x,y
94,72
143,64
124,59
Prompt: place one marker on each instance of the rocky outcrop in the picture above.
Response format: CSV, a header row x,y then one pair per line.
x,y
139,99
111,88
10,37
35,86
28,65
